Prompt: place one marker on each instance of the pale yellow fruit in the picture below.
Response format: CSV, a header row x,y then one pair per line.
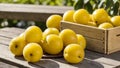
x,y
32,52
74,53
81,40
109,20
105,25
54,21
100,16
68,36
22,34
68,16
49,31
16,45
81,16
53,44
115,20
33,34
92,24
91,18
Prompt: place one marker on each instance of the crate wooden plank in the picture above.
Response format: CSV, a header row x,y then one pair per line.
x,y
94,44
30,12
113,40
92,33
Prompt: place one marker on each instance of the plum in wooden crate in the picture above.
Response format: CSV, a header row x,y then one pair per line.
x,y
100,40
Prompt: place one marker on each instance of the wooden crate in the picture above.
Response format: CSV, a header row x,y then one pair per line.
x,y
99,40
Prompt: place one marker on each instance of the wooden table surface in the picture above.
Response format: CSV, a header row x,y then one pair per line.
x,y
92,59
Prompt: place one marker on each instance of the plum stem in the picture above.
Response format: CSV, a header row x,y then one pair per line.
x,y
31,54
16,46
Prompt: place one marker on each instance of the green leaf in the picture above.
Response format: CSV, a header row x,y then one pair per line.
x,y
78,4
12,23
101,4
115,1
88,7
42,25
109,4
86,1
115,8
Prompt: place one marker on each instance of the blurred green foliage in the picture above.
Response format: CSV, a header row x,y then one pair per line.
x,y
41,2
111,6
21,23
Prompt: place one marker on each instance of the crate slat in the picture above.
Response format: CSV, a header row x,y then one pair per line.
x,y
81,29
113,40
96,45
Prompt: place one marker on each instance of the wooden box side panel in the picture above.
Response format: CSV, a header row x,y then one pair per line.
x,y
95,37
87,31
96,45
113,40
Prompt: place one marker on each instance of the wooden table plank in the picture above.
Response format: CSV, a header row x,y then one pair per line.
x,y
46,63
108,61
7,56
5,65
111,59
4,40
13,30
92,59
30,12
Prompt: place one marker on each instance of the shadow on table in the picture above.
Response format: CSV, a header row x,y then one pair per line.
x,y
118,66
86,63
43,63
95,55
47,63
114,56
61,63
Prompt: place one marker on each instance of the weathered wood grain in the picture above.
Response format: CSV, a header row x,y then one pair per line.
x,y
11,32
14,30
92,59
84,30
46,63
113,40
5,65
111,59
30,12
4,40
